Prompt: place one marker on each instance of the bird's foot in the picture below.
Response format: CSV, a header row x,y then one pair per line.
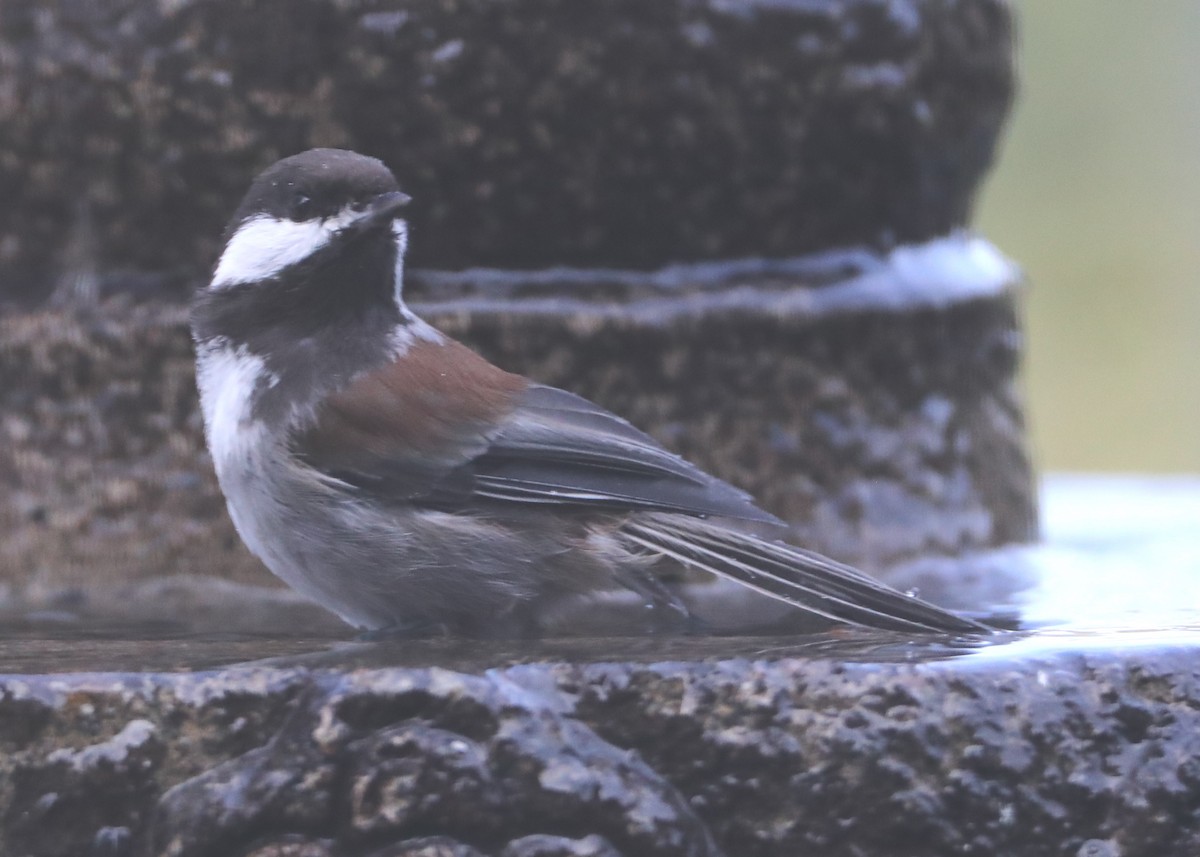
x,y
415,630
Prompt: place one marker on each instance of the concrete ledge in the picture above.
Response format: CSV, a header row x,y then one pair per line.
x,y
1047,756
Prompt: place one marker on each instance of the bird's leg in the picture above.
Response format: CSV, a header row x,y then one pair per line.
x,y
414,630
668,612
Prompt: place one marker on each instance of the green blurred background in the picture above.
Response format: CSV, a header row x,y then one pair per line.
x,y
1097,195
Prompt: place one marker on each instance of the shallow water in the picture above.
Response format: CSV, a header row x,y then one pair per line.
x,y
1119,570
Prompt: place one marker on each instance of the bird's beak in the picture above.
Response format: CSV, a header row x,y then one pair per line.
x,y
383,209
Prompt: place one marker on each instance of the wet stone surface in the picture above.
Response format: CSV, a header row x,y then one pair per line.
x,y
530,132
1077,739
785,756
353,764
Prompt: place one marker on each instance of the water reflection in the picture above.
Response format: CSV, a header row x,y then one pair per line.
x,y
1120,570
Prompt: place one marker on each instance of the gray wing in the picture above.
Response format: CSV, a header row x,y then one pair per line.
x,y
545,446
558,448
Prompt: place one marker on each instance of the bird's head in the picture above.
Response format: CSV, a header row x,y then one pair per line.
x,y
326,221
306,293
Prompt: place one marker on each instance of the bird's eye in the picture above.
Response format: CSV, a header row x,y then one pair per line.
x,y
303,208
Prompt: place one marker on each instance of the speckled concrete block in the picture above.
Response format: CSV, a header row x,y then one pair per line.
x,y
766,758
868,400
530,132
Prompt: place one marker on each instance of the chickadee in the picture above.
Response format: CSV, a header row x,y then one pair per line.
x,y
402,481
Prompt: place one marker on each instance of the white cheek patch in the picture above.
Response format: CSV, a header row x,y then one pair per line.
x,y
400,233
263,246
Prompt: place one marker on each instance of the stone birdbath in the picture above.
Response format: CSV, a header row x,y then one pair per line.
x,y
743,224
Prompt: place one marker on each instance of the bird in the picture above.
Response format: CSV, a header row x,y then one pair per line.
x,y
400,480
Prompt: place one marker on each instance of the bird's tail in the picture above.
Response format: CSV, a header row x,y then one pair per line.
x,y
807,580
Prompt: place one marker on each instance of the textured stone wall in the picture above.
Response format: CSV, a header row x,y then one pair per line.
x,y
763,758
618,137
886,432
614,133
